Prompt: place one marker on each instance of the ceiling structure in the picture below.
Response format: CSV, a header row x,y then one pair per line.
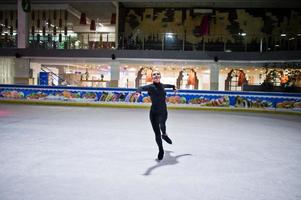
x,y
102,10
180,3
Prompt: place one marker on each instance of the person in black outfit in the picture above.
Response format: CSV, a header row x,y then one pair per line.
x,y
158,111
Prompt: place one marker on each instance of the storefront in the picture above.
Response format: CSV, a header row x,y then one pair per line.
x,y
183,75
132,73
239,77
233,76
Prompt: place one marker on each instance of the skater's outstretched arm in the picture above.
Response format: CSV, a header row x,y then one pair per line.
x,y
171,86
143,88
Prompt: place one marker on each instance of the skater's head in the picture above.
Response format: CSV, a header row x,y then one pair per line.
x,y
156,75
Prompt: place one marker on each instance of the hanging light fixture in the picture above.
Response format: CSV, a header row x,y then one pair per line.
x,y
11,31
44,22
32,22
1,18
6,21
11,15
54,14
44,30
65,30
60,26
38,21
92,25
54,18
43,15
113,18
66,18
66,15
32,30
60,20
83,19
49,20
38,38
49,37
32,15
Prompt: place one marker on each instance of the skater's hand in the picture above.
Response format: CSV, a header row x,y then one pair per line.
x,y
175,91
137,94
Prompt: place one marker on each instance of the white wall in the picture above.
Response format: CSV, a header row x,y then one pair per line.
x,y
7,70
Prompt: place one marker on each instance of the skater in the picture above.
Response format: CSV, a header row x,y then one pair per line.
x,y
158,111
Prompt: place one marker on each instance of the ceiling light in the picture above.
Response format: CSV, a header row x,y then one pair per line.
x,y
169,35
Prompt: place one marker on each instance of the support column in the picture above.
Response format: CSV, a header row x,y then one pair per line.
x,y
22,27
22,71
214,76
116,4
36,68
61,74
115,74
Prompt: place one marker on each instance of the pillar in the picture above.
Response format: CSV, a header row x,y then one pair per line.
x,y
36,68
22,27
22,71
214,76
116,4
115,74
61,74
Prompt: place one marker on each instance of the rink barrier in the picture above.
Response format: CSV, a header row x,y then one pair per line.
x,y
124,98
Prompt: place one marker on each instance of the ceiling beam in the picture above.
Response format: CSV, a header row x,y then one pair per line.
x,y
175,3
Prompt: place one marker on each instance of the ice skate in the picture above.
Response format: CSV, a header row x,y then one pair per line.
x,y
166,138
160,154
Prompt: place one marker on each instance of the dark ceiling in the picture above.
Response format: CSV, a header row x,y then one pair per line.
x,y
183,3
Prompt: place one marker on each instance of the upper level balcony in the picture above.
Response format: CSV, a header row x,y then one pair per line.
x,y
81,26
241,42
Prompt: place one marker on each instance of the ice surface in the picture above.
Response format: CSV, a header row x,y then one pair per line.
x,y
83,153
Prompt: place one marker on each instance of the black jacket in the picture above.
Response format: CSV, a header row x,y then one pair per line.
x,y
157,94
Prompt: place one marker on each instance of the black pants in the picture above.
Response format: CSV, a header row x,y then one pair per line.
x,y
158,121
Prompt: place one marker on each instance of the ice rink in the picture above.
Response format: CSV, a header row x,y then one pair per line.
x,y
85,153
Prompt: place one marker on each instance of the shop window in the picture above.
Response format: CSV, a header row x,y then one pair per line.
x,y
235,80
144,76
187,79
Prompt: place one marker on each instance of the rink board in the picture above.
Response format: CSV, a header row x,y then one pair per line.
x,y
120,97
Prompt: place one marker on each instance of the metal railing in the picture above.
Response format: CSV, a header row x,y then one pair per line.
x,y
8,41
161,41
227,43
86,40
54,76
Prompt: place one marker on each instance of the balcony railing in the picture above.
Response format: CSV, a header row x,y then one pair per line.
x,y
162,41
86,40
228,43
8,41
